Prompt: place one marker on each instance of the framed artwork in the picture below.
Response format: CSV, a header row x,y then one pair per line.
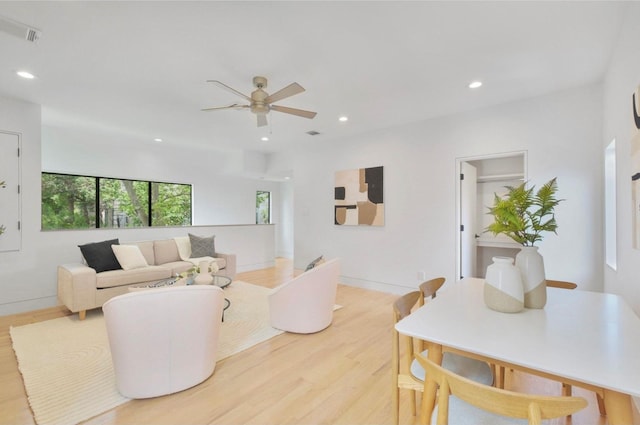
x,y
635,168
359,197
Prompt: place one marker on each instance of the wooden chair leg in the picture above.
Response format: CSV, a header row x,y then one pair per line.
x,y
395,404
501,373
82,314
603,411
567,392
413,403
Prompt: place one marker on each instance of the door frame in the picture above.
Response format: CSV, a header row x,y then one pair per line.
x,y
458,214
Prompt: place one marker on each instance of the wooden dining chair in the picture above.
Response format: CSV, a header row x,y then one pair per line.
x,y
406,371
429,288
561,284
401,367
486,405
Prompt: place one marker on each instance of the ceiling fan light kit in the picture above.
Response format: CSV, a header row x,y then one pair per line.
x,y
261,102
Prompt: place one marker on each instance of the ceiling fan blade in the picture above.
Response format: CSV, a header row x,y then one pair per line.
x,y
232,90
290,90
262,120
219,108
294,111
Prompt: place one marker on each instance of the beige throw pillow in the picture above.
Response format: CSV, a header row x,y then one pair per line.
x,y
184,247
129,256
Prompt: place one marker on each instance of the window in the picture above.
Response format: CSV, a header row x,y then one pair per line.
x,y
170,204
123,203
80,202
263,207
68,202
610,205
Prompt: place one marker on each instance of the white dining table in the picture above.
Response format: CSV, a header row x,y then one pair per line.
x,y
586,339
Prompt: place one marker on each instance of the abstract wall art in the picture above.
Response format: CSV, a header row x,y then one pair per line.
x,y
359,197
635,167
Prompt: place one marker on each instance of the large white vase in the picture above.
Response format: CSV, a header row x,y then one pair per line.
x,y
503,289
204,277
531,265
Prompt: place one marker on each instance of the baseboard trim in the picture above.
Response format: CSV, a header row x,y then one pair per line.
x,y
257,266
17,307
376,286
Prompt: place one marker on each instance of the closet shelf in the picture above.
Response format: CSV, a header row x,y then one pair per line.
x,y
500,177
497,243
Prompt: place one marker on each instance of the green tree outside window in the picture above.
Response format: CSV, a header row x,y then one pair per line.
x,y
263,207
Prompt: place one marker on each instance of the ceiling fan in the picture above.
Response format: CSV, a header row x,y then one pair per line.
x,y
261,102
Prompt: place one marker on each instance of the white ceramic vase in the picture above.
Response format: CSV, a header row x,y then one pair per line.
x,y
531,265
204,277
503,289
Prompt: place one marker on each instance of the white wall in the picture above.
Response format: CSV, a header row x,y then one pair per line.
x,y
562,134
284,238
221,195
623,77
24,118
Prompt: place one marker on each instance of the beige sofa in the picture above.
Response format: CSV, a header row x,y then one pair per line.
x,y
81,288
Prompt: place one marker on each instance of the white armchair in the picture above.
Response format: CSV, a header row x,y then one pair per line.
x,y
305,304
163,340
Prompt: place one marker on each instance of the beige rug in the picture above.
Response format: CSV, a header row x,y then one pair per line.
x,y
66,364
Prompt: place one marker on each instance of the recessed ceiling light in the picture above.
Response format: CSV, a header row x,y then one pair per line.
x,y
475,84
157,139
264,139
343,118
25,74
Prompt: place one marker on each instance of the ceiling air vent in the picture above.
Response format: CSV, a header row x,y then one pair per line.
x,y
312,133
19,30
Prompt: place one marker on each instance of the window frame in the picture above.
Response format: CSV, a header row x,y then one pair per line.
x,y
258,206
610,206
149,200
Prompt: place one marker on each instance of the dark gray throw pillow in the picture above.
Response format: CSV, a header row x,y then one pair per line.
x,y
100,256
313,263
202,247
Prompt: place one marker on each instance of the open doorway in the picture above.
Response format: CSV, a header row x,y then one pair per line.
x,y
480,178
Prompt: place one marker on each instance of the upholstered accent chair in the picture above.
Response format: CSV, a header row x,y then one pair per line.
x,y
163,340
305,304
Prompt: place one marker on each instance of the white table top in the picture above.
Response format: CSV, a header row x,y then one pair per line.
x,y
589,337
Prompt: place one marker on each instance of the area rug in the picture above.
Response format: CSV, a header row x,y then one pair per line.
x,y
66,363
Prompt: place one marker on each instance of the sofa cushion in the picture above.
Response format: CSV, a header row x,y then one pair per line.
x,y
129,256
113,278
178,267
99,255
166,251
202,247
146,247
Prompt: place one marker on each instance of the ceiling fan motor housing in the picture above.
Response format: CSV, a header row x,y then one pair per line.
x,y
258,105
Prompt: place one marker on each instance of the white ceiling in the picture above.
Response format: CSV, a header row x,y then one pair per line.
x,y
137,70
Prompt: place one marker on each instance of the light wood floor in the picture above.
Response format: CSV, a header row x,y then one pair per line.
x,y
339,376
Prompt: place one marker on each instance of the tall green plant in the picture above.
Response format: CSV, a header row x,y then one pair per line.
x,y
523,215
